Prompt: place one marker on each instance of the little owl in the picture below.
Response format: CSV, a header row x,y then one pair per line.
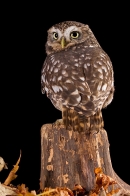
x,y
77,75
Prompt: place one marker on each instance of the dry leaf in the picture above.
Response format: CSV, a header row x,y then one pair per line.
x,y
114,191
12,174
33,192
103,181
102,192
59,191
2,164
49,192
63,191
79,190
98,170
22,190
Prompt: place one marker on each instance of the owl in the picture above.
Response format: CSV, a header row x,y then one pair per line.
x,y
77,75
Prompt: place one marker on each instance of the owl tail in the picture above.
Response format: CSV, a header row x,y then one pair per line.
x,y
82,123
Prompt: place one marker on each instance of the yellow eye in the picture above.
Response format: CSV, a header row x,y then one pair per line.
x,y
55,35
74,34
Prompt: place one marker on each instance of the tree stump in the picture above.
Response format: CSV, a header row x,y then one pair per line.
x,y
69,158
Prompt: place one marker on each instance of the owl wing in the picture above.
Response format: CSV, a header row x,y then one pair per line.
x,y
98,75
79,80
43,78
49,82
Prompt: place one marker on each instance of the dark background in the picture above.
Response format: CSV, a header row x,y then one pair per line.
x,y
24,109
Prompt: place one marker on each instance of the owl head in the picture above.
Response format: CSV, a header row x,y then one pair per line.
x,y
67,34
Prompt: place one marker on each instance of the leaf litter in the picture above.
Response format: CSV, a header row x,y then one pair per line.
x,y
102,182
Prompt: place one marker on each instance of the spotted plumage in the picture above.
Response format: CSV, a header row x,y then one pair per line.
x,y
77,75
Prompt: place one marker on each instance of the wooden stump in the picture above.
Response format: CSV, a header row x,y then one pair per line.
x,y
69,158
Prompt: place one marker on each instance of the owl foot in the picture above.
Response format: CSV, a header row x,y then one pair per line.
x,y
58,124
96,122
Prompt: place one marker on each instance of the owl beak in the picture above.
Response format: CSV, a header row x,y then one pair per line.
x,y
63,42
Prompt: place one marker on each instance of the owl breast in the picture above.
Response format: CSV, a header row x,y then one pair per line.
x,y
79,78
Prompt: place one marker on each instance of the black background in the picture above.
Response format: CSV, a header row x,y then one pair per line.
x,y
24,109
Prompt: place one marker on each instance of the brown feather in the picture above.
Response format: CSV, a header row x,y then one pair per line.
x,y
82,123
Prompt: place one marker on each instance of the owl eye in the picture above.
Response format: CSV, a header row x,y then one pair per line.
x,y
74,34
55,35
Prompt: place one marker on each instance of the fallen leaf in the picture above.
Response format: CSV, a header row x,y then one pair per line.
x,y
12,175
79,190
59,191
22,190
103,182
48,192
64,191
2,164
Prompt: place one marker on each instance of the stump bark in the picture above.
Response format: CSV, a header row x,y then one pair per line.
x,y
69,158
